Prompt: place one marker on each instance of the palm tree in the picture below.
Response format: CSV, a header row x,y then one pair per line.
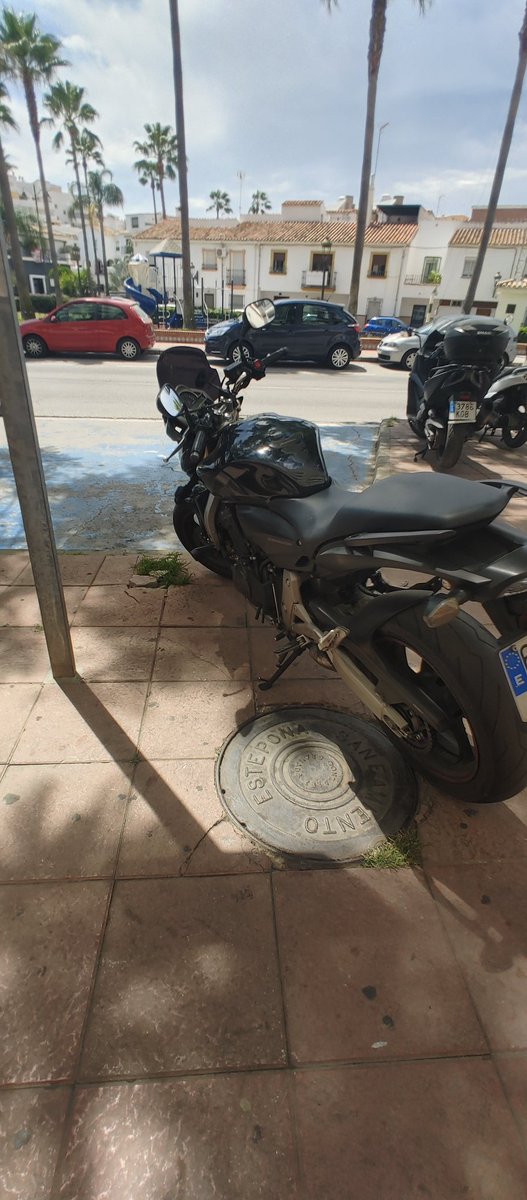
x,y
90,150
161,146
147,171
65,101
260,202
32,58
102,193
188,292
375,48
221,201
7,121
500,165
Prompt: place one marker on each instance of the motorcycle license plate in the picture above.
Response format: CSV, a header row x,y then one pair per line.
x,y
514,663
462,410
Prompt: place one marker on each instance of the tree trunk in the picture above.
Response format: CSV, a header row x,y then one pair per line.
x,y
153,186
34,123
90,219
103,248
188,295
161,188
81,209
377,31
500,166
24,295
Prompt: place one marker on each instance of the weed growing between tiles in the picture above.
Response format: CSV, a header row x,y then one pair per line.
x,y
404,850
168,571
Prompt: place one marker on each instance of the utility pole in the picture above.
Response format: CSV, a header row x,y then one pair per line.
x,y
241,177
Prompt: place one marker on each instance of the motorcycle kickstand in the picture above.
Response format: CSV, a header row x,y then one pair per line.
x,y
289,657
420,454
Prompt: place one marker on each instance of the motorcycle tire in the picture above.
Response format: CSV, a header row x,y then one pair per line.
x,y
447,453
481,757
514,438
417,428
191,536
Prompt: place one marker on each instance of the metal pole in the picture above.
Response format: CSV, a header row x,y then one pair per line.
x,y
24,450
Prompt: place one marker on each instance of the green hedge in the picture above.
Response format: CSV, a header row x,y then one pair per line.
x,y
44,304
522,333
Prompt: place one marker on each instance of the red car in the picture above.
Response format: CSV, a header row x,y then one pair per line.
x,y
93,325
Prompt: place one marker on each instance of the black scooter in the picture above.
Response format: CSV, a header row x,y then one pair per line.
x,y
315,560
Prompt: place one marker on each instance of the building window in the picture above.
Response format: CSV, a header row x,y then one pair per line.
x,y
321,262
135,222
430,269
209,299
209,260
37,284
468,268
511,308
378,266
278,262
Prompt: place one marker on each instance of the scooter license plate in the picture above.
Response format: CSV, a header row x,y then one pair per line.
x,y
514,663
462,410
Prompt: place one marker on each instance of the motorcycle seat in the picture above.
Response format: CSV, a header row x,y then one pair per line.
x,y
397,504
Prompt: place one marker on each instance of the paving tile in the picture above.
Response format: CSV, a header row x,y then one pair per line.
x,y
512,1070
50,934
74,569
188,980
203,605
434,1130
12,564
452,832
112,654
225,1136
367,970
80,722
192,720
263,648
173,806
16,702
200,574
31,1121
116,568
23,655
483,910
19,605
60,822
201,654
116,605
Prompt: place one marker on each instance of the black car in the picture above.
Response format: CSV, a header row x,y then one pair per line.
x,y
309,329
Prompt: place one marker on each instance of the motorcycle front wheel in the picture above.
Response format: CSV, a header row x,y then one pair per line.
x,y
448,448
189,531
480,755
514,438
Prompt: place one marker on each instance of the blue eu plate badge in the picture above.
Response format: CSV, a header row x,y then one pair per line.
x,y
514,663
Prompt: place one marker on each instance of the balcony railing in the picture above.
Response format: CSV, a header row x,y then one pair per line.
x,y
237,277
420,279
315,279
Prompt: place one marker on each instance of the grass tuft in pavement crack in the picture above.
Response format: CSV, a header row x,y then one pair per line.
x,y
403,850
168,571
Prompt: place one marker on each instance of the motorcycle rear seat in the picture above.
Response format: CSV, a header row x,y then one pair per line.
x,y
397,504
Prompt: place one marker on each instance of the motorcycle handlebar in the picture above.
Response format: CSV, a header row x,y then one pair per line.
x,y
198,446
274,354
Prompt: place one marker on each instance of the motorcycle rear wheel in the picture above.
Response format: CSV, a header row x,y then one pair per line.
x,y
481,756
191,536
514,438
447,452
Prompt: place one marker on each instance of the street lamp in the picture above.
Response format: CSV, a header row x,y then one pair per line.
x,y
326,246
497,278
385,126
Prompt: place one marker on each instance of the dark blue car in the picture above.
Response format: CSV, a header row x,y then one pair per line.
x,y
312,330
382,326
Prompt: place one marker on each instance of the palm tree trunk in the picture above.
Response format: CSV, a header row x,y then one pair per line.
x,y
103,248
188,296
161,189
81,210
24,296
500,166
153,186
377,31
90,219
35,130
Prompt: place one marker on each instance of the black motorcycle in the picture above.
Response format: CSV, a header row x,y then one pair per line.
x,y
314,559
453,370
505,406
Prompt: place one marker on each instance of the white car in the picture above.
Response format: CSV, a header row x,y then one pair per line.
x,y
400,349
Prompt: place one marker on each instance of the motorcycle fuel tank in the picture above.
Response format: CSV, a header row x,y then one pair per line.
x,y
266,456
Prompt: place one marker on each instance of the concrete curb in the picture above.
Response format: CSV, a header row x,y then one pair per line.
x,y
382,452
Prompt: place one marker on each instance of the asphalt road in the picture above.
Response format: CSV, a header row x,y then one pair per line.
x,y
111,389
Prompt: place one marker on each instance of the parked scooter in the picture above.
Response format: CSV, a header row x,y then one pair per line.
x,y
452,372
506,407
314,560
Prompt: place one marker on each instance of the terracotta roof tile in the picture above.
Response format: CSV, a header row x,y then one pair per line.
x,y
507,235
309,233
295,203
513,283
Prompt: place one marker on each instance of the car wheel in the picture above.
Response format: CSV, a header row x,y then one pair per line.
x,y
339,358
234,353
34,346
408,359
128,348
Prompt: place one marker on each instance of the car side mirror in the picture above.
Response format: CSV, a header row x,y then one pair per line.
x,y
52,318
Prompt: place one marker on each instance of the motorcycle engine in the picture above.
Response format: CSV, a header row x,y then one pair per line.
x,y
258,583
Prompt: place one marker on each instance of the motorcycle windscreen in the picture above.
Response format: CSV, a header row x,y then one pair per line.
x,y
188,366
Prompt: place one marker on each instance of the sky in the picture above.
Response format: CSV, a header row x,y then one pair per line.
x,y
276,90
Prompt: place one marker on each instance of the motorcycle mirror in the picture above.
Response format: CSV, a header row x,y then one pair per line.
x,y
170,401
259,313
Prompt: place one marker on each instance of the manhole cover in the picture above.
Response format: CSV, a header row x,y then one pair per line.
x,y
316,783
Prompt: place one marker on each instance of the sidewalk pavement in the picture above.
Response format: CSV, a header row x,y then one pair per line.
x,y
181,1018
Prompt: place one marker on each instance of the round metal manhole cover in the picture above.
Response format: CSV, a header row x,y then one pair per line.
x,y
315,783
